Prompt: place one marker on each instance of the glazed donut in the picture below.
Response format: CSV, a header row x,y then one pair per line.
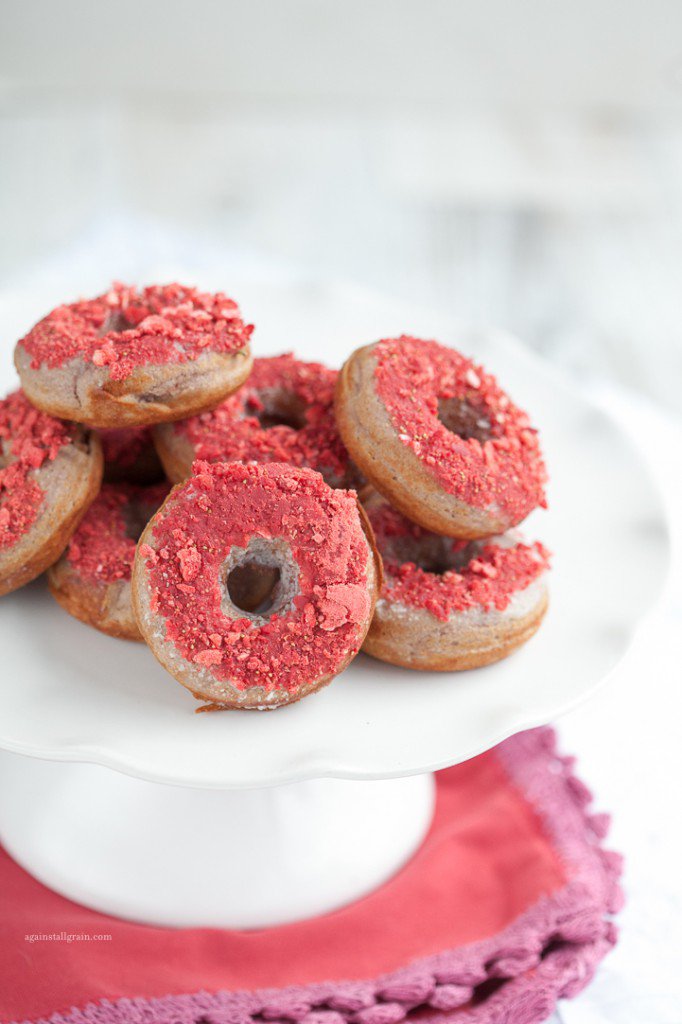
x,y
300,550
132,358
284,413
449,604
49,473
130,455
438,437
92,578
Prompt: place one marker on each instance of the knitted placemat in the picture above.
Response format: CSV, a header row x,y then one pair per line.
x,y
505,909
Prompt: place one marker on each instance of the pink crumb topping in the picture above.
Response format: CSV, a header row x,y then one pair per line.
x,y
224,505
28,439
489,578
102,550
127,328
124,445
233,432
504,472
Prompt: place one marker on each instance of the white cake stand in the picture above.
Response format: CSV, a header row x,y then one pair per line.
x,y
115,794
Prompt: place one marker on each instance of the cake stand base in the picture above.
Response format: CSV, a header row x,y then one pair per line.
x,y
179,857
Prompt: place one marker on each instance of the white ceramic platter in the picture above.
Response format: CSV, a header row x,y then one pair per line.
x,y
69,693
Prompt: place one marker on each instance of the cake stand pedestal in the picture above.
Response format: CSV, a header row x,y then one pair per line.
x,y
175,856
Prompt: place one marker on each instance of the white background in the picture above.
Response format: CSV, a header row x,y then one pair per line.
x,y
509,162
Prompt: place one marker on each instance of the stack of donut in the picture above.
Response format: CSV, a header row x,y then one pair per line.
x,y
228,533
455,466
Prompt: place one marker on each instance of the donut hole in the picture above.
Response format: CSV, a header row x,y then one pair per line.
x,y
464,419
435,554
136,515
277,407
259,581
115,323
253,587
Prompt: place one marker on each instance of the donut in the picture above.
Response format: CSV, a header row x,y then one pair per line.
x,y
284,413
49,473
132,358
449,604
92,578
439,438
130,455
254,585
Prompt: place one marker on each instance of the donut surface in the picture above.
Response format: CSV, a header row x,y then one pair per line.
x,y
130,455
439,438
449,604
130,358
92,578
49,473
254,585
284,413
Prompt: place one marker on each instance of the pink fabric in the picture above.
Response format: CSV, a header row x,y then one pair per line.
x,y
505,908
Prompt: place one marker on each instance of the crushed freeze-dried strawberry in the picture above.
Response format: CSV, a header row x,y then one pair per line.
x,y
127,328
28,439
483,574
102,550
234,433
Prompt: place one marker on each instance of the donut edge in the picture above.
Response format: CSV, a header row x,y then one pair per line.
x,y
100,403
94,604
175,452
412,638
